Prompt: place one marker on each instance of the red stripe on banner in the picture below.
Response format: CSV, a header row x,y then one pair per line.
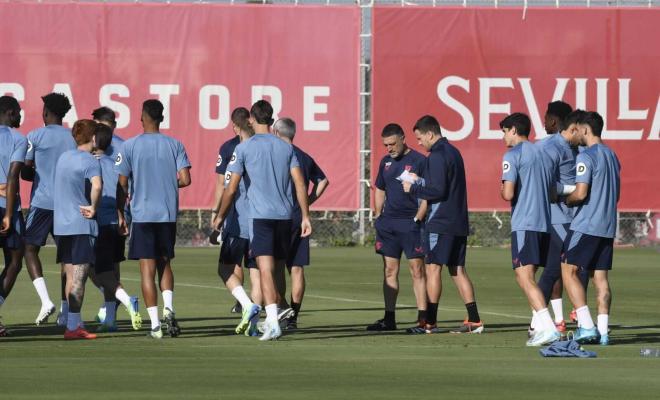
x,y
203,61
470,67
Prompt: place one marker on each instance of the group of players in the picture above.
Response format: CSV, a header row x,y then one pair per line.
x,y
91,188
563,191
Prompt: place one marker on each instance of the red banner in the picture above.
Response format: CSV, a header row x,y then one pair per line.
x,y
471,67
202,61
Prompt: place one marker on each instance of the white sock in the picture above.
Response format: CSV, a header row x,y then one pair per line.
x,y
271,313
42,291
584,317
603,321
168,297
64,307
73,321
153,315
557,309
532,324
123,298
242,297
544,320
110,313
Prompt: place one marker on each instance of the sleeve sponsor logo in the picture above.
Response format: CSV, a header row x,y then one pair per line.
x,y
119,159
227,177
233,158
29,149
506,166
217,163
581,168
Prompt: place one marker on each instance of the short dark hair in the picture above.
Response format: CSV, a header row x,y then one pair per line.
x,y
428,123
154,109
8,103
240,116
57,103
595,122
520,121
559,109
83,131
103,135
392,130
574,117
104,114
262,112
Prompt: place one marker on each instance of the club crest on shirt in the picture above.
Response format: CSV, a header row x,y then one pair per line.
x,y
581,168
408,167
387,165
29,149
506,166
119,159
217,163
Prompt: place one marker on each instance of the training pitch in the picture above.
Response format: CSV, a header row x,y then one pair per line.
x,y
331,356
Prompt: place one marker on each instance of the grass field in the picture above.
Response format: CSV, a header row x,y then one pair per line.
x,y
332,356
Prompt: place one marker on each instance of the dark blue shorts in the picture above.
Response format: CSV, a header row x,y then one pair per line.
x,y
270,237
110,247
38,225
558,235
152,240
446,250
588,252
529,248
13,239
395,236
76,249
236,251
299,249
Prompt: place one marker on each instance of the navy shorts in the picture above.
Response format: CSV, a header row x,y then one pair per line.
x,y
13,239
299,249
110,247
270,237
152,240
396,236
38,225
588,252
529,248
558,233
76,249
236,251
446,250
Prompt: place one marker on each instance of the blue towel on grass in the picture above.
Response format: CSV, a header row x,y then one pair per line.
x,y
567,348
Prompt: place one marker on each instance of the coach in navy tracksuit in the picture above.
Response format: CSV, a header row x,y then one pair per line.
x,y
443,186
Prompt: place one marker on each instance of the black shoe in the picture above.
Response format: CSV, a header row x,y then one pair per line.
x,y
381,325
418,329
237,308
291,325
170,323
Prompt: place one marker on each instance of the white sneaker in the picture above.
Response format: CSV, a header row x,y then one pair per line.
x,y
62,318
44,314
272,331
544,337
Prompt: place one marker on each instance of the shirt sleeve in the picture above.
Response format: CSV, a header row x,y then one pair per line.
x,y
123,161
20,150
181,157
294,162
510,167
93,168
380,181
435,185
316,175
236,163
223,159
29,155
583,168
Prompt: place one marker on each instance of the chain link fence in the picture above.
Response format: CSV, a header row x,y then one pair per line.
x,y
487,229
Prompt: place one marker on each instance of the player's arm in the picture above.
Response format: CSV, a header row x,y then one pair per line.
x,y
183,177
27,171
301,194
379,202
318,189
122,196
227,199
3,190
217,195
421,211
10,192
95,195
508,190
436,186
509,176
579,194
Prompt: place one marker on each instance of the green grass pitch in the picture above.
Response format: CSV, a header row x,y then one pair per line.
x,y
332,356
